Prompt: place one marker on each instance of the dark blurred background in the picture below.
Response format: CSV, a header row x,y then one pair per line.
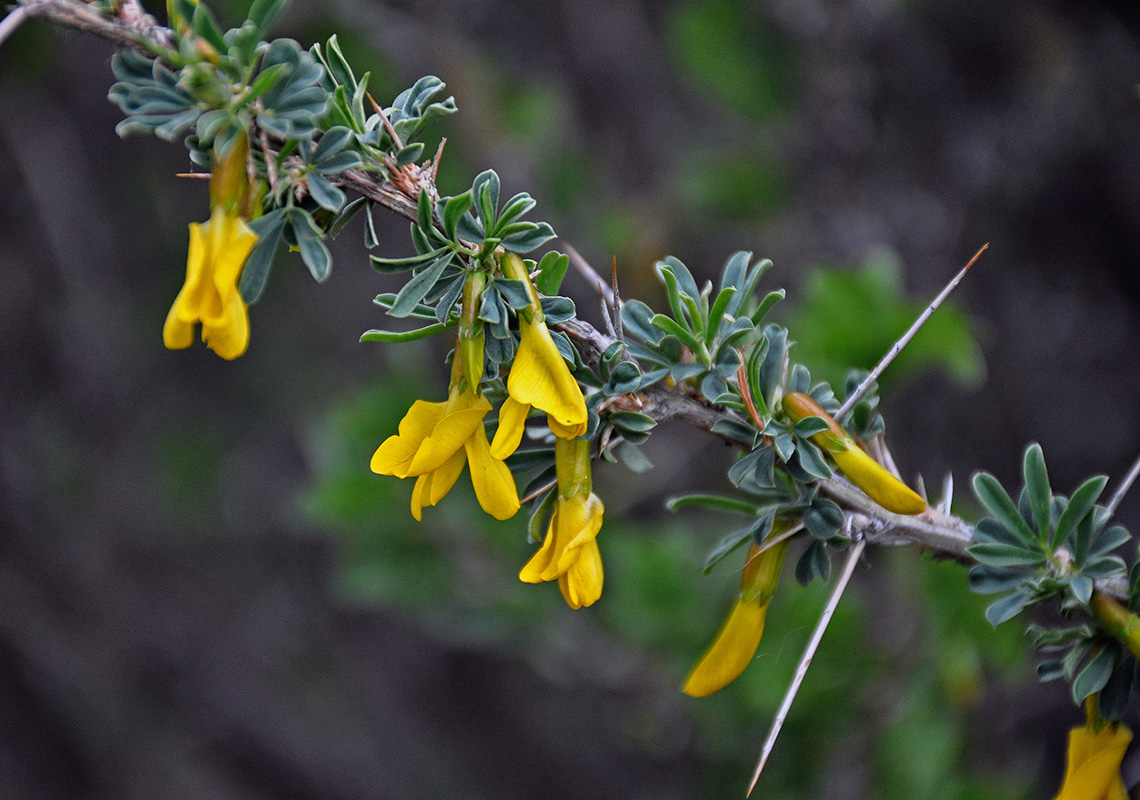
x,y
205,594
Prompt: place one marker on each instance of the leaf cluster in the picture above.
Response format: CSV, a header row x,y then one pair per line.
x,y
1052,547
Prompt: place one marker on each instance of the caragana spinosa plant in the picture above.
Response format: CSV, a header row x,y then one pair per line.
x,y
294,146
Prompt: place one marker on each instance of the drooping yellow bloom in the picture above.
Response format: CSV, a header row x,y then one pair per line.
x,y
569,553
539,377
735,645
862,470
433,443
1095,753
210,295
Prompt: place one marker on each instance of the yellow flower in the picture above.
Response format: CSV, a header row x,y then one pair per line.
x,y
539,377
1093,769
569,553
433,443
735,645
218,250
862,470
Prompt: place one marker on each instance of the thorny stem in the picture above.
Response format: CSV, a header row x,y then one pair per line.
x,y
944,535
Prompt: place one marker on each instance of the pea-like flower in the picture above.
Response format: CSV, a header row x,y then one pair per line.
x,y
1093,768
569,553
539,377
735,645
210,295
435,440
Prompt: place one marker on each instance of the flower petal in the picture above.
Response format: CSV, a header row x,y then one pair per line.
x,y
581,584
395,455
1094,761
566,431
533,569
540,378
512,423
579,522
493,482
731,651
465,412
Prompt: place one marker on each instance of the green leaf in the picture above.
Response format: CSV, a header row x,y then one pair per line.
x,y
263,13
551,270
453,209
255,273
814,563
417,288
772,368
401,336
1037,487
557,309
716,315
310,243
1095,674
327,196
204,25
624,379
1006,608
1082,588
390,265
535,527
338,65
766,304
714,502
995,554
514,292
1081,503
633,421
990,580
528,240
820,525
634,460
725,546
1110,539
991,494
670,326
516,207
809,426
989,529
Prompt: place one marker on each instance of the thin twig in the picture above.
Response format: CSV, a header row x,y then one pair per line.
x,y
1122,490
775,540
898,346
12,21
590,274
805,660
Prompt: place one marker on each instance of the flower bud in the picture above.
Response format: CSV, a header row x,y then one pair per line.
x,y
862,470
